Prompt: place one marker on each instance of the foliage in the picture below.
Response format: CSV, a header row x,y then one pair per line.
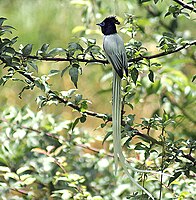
x,y
41,152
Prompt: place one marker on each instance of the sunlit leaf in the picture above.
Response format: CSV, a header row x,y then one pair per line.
x,y
29,181
4,169
23,169
12,175
38,150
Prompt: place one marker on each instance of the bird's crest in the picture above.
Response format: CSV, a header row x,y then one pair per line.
x,y
112,19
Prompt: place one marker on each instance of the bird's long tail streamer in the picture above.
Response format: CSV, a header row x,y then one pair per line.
x,y
116,126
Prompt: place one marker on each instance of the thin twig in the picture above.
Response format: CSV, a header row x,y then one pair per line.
x,y
21,191
164,53
56,137
184,5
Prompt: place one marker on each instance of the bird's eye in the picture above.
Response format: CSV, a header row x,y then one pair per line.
x,y
102,24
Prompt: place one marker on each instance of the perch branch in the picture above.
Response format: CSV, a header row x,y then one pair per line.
x,y
187,45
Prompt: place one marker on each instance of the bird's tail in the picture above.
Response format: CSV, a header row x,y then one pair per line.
x,y
116,117
116,126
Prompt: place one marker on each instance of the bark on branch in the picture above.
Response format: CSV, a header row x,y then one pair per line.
x,y
184,5
165,53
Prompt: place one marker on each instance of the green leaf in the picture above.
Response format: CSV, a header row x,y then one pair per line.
x,y
75,46
27,49
29,181
143,1
134,75
4,169
55,51
140,146
75,123
97,198
156,1
151,76
32,63
147,154
83,119
194,77
130,119
2,19
53,72
171,135
44,47
106,136
84,106
78,98
174,177
193,168
64,70
14,40
12,175
41,101
2,81
102,125
68,93
23,169
186,14
10,50
73,72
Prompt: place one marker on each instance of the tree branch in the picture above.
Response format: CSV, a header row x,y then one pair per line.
x,y
165,53
64,101
68,59
76,107
184,5
187,45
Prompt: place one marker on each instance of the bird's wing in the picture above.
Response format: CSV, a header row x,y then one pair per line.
x,y
115,51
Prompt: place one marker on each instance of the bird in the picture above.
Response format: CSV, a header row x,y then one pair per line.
x,y
114,48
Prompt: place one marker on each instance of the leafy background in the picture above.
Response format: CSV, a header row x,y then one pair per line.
x,y
51,152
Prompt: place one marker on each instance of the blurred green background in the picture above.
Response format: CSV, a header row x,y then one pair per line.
x,y
58,22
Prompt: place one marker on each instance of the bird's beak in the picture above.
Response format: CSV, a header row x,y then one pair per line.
x,y
101,24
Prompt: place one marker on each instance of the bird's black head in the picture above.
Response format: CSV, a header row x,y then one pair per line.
x,y
108,25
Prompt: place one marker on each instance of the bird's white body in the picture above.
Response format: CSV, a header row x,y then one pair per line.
x,y
115,51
